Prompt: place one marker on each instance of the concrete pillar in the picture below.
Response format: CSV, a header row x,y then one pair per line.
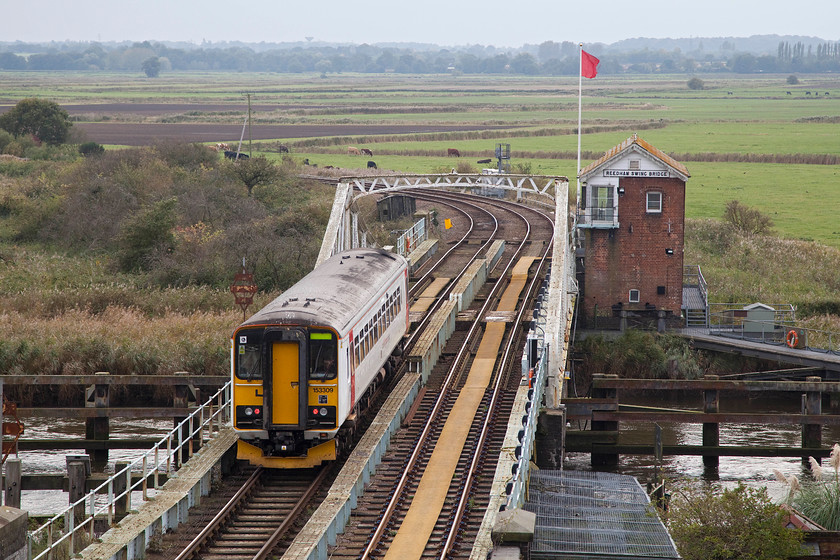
x,y
711,430
13,525
811,404
12,483
550,439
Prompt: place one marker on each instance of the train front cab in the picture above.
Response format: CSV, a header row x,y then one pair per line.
x,y
285,389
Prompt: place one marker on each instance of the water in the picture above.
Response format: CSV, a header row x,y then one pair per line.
x,y
45,502
751,471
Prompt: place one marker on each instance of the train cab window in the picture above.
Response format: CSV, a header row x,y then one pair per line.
x,y
248,357
323,355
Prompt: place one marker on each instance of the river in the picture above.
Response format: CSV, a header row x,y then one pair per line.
x,y
751,471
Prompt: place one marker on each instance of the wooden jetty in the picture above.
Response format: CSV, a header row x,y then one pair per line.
x,y
605,413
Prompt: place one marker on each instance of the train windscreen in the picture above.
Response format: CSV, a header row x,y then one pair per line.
x,y
323,355
248,356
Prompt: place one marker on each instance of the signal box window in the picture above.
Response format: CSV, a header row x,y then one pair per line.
x,y
323,355
654,202
634,296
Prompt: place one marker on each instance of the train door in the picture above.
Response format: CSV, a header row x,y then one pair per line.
x,y
285,380
285,398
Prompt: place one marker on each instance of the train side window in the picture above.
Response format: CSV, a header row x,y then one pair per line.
x,y
323,355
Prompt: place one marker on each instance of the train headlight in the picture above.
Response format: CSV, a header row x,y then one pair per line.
x,y
323,412
249,411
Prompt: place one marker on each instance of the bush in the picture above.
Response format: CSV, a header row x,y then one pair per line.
x,y
736,524
747,220
695,83
792,80
145,232
91,149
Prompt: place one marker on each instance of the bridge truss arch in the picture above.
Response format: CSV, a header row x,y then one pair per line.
x,y
550,192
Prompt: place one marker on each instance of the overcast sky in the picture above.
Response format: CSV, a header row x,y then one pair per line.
x,y
504,23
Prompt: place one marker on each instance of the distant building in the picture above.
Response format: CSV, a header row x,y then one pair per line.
x,y
632,224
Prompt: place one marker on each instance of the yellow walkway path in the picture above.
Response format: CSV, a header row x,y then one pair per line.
x,y
414,533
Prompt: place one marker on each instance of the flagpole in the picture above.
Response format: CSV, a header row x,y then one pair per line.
x,y
580,112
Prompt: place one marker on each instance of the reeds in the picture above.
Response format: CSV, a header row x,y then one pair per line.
x,y
820,499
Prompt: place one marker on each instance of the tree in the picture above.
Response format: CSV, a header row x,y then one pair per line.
x,y
738,523
252,172
43,119
792,80
695,83
151,66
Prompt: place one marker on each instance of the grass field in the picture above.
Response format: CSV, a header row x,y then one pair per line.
x,y
752,116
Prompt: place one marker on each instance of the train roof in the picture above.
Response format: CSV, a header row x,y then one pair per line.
x,y
334,292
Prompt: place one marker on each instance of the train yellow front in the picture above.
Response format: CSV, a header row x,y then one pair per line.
x,y
304,366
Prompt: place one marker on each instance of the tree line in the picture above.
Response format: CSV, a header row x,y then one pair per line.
x,y
548,58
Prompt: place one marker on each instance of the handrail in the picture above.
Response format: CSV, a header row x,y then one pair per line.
x,y
63,531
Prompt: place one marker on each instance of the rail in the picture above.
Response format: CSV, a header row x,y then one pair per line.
x,y
74,527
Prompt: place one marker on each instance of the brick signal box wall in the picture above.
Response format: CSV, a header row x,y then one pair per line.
x,y
645,253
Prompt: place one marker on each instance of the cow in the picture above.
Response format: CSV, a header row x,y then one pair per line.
x,y
807,93
728,93
372,165
222,146
788,93
353,151
488,160
230,154
826,93
367,152
283,149
452,152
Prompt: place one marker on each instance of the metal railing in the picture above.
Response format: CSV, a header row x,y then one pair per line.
x,y
73,528
536,351
693,276
412,237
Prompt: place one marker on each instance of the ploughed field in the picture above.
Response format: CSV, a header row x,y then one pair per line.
x,y
120,132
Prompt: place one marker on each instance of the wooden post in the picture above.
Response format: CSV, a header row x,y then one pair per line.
x,y
182,400
711,430
834,397
605,459
98,396
811,404
121,484
12,483
77,475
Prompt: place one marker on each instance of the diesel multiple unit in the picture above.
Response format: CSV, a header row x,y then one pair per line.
x,y
303,366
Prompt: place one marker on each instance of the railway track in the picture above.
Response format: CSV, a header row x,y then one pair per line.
x,y
266,512
374,526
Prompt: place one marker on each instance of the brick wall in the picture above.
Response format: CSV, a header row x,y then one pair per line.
x,y
634,256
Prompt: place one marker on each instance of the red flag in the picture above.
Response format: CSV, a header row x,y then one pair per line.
x,y
588,65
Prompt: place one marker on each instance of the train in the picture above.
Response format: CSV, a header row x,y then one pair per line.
x,y
305,366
